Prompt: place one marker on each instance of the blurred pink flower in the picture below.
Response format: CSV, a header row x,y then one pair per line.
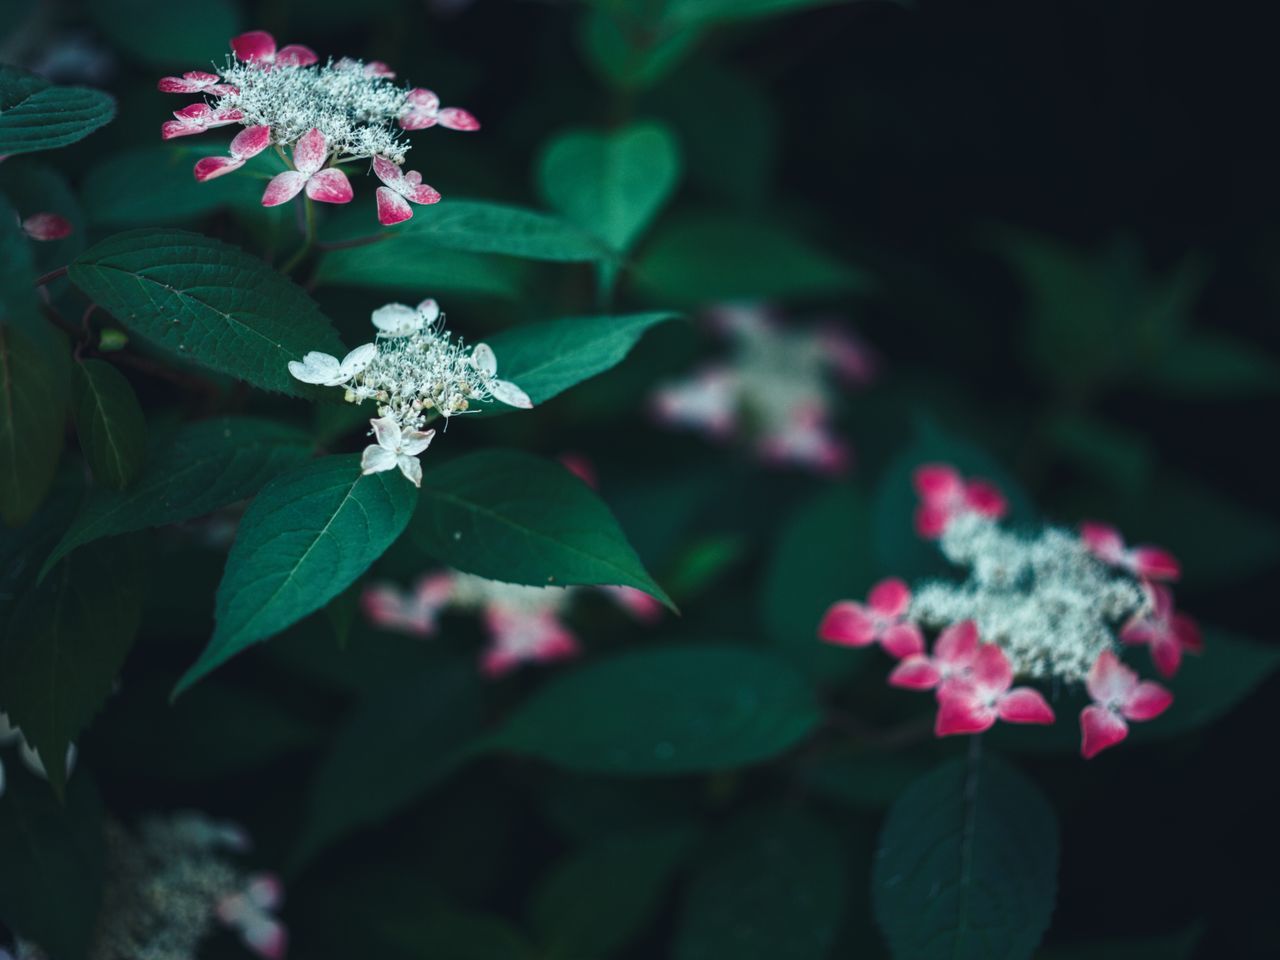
x,y
945,494
1118,697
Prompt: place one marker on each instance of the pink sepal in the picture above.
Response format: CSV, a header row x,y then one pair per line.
x,y
1099,729
392,208
1024,705
902,640
46,226
961,711
915,673
890,597
207,168
329,186
847,623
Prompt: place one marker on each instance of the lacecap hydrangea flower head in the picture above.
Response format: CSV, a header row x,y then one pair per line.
x,y
324,115
1052,607
414,371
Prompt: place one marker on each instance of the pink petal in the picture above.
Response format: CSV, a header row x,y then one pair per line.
x,y
423,193
962,711
392,208
985,498
250,142
283,188
902,640
207,168
456,118
1099,729
931,519
1147,702
389,172
992,672
1166,654
265,891
435,589
266,937
1102,541
937,481
254,45
178,128
414,120
423,99
296,55
957,645
496,663
191,82
847,623
1024,705
1155,564
310,152
890,598
1188,633
915,673
376,68
46,226
330,186
1109,680
637,603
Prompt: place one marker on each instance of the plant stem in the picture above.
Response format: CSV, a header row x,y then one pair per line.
x,y
51,276
308,237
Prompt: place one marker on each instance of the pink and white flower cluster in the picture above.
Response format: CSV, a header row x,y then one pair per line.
x,y
1053,607
326,114
525,624
775,388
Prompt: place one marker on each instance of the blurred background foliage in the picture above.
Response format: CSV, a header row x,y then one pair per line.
x,y
1055,222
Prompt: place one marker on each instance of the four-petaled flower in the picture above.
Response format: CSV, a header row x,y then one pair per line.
x,y
945,494
883,618
259,47
247,143
197,118
954,653
423,110
249,913
309,155
1118,697
504,391
196,81
401,187
521,636
1148,563
399,320
415,612
973,704
1166,631
326,371
395,448
46,226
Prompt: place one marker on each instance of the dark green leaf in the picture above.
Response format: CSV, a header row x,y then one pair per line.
x,y
69,640
688,709
206,302
510,516
415,264
54,864
19,306
708,12
497,228
772,888
305,538
1213,365
206,465
36,115
967,865
631,54
31,418
113,434
165,34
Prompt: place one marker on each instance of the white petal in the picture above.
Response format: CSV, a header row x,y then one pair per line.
x,y
411,468
415,441
315,368
387,433
397,320
376,459
508,393
429,311
483,358
358,359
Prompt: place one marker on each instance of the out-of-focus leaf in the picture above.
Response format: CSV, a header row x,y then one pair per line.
x,y
36,115
305,538
416,264
113,433
457,935
687,709
1176,946
68,641
1115,456
31,418
19,306
868,780
206,302
772,888
510,516
627,51
165,34
478,227
1213,365
967,865
709,12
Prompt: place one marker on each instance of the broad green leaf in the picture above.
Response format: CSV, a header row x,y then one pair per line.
x,y
305,538
773,887
206,302
36,115
31,419
824,554
611,184
692,261
69,640
674,710
497,228
205,465
708,12
391,748
511,516
165,34
593,902
416,264
54,864
545,359
629,53
113,433
967,865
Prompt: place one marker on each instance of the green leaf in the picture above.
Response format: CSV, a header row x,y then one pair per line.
x,y
545,359
1213,365
414,264
596,900
497,228
113,433
510,516
204,466
611,184
54,864
687,709
207,302
628,53
165,34
19,306
967,865
393,746
36,115
305,538
773,887
682,13
695,260
31,418
69,640
824,554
